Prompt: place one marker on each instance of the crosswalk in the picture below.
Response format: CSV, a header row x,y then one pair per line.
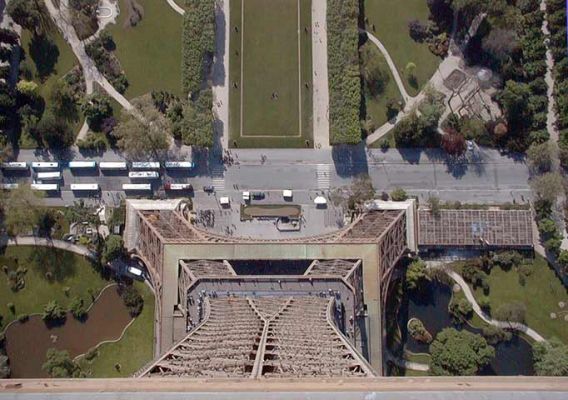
x,y
323,176
218,178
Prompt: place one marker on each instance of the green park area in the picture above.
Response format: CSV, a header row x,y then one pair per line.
x,y
150,51
47,59
535,285
388,21
270,74
43,274
134,350
384,91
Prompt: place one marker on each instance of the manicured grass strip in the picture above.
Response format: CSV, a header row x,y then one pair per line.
x,y
133,351
150,52
68,269
390,18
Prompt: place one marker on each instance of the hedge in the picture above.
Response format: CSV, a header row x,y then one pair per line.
x,y
343,71
198,42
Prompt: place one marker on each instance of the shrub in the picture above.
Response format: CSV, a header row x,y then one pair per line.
x,y
511,312
493,334
418,331
53,312
96,108
398,194
461,309
58,364
23,318
77,308
343,71
484,303
416,275
132,299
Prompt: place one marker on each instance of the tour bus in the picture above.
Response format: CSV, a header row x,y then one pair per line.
x,y
179,164
8,186
85,187
45,165
20,166
82,164
48,176
136,186
178,186
46,187
113,165
145,165
143,175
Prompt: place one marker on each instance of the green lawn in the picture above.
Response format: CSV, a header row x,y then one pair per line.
x,y
376,106
150,52
390,20
133,351
541,294
69,270
276,74
48,63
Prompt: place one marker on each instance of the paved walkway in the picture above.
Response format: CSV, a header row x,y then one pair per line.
x,y
176,8
45,242
319,75
400,362
457,278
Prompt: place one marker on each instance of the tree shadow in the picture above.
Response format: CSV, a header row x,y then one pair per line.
x,y
350,160
219,68
44,53
55,265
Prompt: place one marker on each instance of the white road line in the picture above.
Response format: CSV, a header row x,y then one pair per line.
x,y
323,176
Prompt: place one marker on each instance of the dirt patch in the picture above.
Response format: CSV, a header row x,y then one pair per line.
x,y
270,211
134,13
28,342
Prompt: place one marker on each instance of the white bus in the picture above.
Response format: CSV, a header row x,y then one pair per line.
x,y
82,164
46,187
136,186
113,165
145,165
45,165
143,175
15,165
8,186
86,187
178,186
48,176
179,164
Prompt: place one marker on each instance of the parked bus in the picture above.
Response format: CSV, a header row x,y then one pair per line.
x,y
143,175
113,165
8,186
45,165
19,166
82,164
85,187
178,186
136,186
179,164
48,176
145,165
46,187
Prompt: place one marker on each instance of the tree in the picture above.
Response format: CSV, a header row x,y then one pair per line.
x,y
416,275
196,125
53,312
493,334
374,75
500,43
548,186
418,30
132,299
541,157
410,70
514,99
113,248
453,143
563,259
21,210
413,131
511,312
30,14
459,353
550,358
362,190
461,309
398,194
55,132
77,308
96,108
434,205
144,135
58,364
62,100
28,88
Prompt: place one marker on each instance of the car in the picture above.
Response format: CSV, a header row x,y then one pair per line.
x,y
246,196
287,194
209,189
137,272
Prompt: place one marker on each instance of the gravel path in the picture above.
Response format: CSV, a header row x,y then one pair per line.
x,y
45,242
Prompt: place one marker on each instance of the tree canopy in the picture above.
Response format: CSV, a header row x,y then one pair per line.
x,y
459,353
550,358
58,364
416,275
21,211
113,248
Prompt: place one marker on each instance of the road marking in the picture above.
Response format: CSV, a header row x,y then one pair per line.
x,y
218,178
323,176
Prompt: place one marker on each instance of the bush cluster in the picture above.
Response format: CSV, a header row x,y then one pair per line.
x,y
101,50
343,72
198,43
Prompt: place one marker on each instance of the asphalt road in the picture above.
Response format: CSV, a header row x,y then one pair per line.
x,y
487,177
